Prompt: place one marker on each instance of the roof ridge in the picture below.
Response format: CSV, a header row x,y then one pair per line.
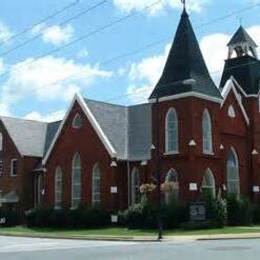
x,y
25,119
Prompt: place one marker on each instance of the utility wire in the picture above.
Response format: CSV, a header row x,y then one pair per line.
x,y
30,27
85,36
18,46
160,41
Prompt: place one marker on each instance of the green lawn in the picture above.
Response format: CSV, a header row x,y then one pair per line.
x,y
121,232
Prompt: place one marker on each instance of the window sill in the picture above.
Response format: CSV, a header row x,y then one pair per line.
x,y
172,153
208,153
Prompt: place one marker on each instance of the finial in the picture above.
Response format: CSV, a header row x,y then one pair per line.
x,y
184,4
241,21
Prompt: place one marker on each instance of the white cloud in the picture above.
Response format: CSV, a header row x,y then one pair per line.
x,y
5,33
48,79
214,49
82,54
52,117
156,6
144,75
55,34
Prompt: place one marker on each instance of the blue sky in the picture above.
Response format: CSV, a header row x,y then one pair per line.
x,y
38,85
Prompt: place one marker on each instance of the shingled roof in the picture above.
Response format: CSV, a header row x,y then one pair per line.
x,y
185,69
241,35
127,128
30,137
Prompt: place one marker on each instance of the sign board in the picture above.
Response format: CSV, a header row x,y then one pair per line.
x,y
197,211
2,221
193,187
114,218
113,189
256,189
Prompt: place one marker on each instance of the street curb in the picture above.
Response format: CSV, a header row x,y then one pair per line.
x,y
141,239
115,239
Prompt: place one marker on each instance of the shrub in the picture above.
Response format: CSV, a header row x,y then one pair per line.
x,y
140,215
174,214
10,217
216,211
145,215
256,213
239,211
66,218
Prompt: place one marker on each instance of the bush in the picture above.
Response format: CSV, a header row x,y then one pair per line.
x,y
10,217
239,211
140,215
144,215
174,214
216,211
256,213
66,218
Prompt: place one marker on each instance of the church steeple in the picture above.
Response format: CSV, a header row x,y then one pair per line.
x,y
185,70
242,63
242,44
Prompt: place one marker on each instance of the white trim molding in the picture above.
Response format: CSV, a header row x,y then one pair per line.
x,y
185,95
229,86
111,150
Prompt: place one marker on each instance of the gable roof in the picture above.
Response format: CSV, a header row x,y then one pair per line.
x,y
128,128
185,69
240,36
125,131
30,137
229,86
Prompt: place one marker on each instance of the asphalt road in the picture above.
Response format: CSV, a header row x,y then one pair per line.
x,y
12,248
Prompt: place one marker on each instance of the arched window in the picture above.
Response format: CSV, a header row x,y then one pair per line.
x,y
171,132
207,133
1,142
172,177
208,183
77,121
135,186
76,182
96,185
233,182
58,188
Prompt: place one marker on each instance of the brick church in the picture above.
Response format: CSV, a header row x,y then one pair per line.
x,y
197,135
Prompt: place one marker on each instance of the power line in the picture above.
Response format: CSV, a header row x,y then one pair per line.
x,y
160,41
30,27
88,35
89,9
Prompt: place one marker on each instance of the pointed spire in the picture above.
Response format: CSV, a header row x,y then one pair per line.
x,y
241,36
185,69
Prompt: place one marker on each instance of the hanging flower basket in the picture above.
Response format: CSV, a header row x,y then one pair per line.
x,y
147,188
169,186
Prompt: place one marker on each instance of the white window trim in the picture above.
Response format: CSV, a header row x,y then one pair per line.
x,y
1,142
77,116
213,186
206,116
72,181
79,99
167,150
12,169
96,168
238,172
58,202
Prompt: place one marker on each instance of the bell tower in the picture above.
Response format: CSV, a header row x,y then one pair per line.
x,y
241,45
